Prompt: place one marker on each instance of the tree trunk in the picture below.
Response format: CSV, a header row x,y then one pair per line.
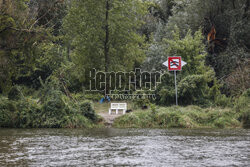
x,y
246,8
233,4
106,43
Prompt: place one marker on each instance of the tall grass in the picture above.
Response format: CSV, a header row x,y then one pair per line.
x,y
57,111
179,117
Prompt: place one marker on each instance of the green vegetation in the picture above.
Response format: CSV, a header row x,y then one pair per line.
x,y
242,107
179,117
193,81
48,47
190,116
53,110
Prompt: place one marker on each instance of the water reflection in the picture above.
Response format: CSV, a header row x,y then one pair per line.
x,y
124,147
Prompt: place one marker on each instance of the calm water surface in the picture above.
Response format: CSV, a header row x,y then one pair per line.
x,y
124,147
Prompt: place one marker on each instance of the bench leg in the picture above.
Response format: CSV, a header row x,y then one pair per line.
x,y
124,112
116,111
109,111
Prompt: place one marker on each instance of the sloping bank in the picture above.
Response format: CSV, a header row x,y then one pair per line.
x,y
190,116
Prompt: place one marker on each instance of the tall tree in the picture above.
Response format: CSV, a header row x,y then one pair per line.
x,y
25,28
104,33
17,41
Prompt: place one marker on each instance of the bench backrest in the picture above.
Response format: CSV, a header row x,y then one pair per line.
x,y
122,106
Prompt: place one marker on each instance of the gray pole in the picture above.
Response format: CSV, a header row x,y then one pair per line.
x,y
175,88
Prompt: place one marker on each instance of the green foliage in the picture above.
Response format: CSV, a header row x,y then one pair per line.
x,y
243,101
55,110
231,44
28,114
223,101
230,58
246,118
192,89
49,63
93,96
15,93
179,117
70,76
28,50
7,112
23,113
242,106
87,110
140,103
153,108
105,43
194,79
190,48
19,37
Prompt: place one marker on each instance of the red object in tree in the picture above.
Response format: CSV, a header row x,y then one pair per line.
x,y
174,63
211,34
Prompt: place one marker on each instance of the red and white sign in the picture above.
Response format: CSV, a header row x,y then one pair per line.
x,y
174,63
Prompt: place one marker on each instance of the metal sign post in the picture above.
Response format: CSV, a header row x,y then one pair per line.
x,y
176,95
175,64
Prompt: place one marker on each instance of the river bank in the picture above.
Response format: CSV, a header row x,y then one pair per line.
x,y
56,110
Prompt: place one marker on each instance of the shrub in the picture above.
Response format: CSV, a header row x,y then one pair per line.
x,y
191,89
128,121
15,93
55,111
243,102
87,110
242,107
7,112
223,101
22,113
28,113
141,103
245,118
59,111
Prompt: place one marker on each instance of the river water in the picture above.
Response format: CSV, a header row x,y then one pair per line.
x,y
124,147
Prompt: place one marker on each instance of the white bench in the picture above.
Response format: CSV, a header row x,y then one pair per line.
x,y
118,106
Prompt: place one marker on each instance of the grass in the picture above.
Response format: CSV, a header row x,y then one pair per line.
x,y
179,117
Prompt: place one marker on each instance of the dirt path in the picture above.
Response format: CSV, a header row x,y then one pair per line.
x,y
109,119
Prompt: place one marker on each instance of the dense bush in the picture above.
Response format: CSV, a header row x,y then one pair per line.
x,y
15,93
7,112
21,113
87,110
191,89
55,110
242,106
141,103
